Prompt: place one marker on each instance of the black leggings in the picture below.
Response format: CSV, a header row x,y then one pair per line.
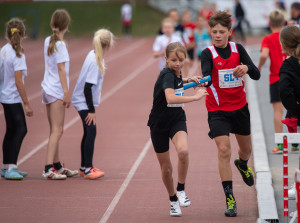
x,y
16,130
88,141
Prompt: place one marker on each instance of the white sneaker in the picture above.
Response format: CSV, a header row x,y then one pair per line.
x,y
175,209
67,172
183,199
292,192
52,174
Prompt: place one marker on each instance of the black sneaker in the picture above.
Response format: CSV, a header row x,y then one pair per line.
x,y
246,174
231,207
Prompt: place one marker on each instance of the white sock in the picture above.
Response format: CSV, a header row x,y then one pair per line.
x,y
11,166
5,166
87,170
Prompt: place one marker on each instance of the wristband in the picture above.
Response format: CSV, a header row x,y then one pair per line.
x,y
26,102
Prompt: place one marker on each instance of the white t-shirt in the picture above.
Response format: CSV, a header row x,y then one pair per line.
x,y
126,12
51,83
90,73
10,63
161,42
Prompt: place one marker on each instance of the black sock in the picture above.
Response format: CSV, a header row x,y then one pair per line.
x,y
243,164
180,187
227,186
173,198
57,165
47,167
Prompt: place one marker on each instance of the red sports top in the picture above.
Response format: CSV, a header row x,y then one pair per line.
x,y
276,55
189,31
225,99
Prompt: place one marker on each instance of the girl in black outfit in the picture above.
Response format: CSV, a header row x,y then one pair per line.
x,y
167,120
290,71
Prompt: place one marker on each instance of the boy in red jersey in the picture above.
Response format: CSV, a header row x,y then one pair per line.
x,y
189,28
227,63
270,47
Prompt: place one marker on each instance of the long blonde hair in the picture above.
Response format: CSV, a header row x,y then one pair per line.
x,y
60,20
103,39
15,29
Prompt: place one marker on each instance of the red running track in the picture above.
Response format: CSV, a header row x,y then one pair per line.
x,y
132,189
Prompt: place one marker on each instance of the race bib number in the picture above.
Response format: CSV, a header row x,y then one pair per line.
x,y
178,92
227,80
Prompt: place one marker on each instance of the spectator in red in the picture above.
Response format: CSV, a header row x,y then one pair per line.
x,y
206,10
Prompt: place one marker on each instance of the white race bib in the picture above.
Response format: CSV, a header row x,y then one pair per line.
x,y
227,80
178,92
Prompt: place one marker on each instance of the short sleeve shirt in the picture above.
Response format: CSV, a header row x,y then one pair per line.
x,y
276,55
163,117
90,73
10,63
51,83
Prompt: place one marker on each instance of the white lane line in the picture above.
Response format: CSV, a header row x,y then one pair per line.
x,y
125,184
105,97
109,59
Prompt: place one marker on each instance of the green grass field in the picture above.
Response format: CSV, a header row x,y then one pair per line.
x,y
87,17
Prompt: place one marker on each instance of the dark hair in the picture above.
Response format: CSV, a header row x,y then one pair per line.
x,y
296,5
221,17
290,39
175,47
60,20
15,29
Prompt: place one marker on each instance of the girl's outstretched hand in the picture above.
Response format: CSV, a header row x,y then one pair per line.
x,y
90,118
200,94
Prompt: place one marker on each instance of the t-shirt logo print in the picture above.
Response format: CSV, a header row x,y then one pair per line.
x,y
179,83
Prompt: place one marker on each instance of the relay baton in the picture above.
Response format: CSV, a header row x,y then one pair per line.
x,y
193,84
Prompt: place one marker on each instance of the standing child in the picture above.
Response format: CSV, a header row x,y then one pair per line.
x,y
162,41
270,47
86,97
167,120
189,27
202,37
55,92
14,70
290,77
227,62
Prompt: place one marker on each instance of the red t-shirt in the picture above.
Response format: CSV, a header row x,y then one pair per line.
x,y
189,31
225,98
276,55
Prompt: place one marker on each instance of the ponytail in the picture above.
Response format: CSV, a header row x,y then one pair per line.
x,y
60,21
15,29
103,39
52,44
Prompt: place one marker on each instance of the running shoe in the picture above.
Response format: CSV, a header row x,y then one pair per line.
x,y
292,192
231,207
67,172
13,174
175,209
295,149
81,172
184,201
246,174
278,149
3,171
93,174
52,174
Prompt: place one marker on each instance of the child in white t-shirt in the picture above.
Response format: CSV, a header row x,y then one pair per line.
x,y
55,92
162,41
86,97
13,70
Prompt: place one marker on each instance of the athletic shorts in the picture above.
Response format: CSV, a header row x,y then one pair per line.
x,y
191,54
224,122
47,99
161,141
274,92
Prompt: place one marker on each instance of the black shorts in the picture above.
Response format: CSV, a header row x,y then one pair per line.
x,y
224,122
191,54
160,141
274,92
